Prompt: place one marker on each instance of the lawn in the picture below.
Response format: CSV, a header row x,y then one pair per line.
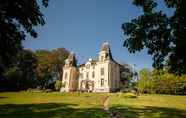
x,y
88,105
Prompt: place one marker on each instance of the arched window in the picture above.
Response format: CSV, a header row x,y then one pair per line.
x,y
66,75
93,74
87,75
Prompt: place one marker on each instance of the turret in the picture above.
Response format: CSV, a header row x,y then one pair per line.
x,y
70,74
71,60
105,53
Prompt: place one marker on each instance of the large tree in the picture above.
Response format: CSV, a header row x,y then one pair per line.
x,y
17,19
163,35
50,64
22,72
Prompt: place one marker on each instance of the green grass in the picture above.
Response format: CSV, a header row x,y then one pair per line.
x,y
88,105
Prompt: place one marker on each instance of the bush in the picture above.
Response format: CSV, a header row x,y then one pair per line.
x,y
58,85
161,82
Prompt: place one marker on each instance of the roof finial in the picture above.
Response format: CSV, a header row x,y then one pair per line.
x,y
105,46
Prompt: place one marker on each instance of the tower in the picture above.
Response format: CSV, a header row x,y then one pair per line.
x,y
105,53
70,74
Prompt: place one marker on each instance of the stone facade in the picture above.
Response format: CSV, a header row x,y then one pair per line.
x,y
96,75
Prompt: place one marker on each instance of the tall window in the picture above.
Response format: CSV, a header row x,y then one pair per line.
x,y
102,71
87,75
81,75
102,82
66,75
88,66
93,74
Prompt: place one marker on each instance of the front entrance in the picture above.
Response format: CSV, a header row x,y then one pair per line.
x,y
87,85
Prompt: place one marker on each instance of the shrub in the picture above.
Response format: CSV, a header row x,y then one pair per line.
x,y
58,85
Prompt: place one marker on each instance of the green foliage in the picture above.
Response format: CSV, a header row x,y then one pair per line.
x,y
21,75
50,65
163,35
58,85
161,81
145,83
34,69
18,18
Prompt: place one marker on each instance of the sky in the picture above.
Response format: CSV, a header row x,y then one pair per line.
x,y
81,26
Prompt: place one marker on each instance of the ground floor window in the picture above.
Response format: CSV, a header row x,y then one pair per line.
x,y
102,82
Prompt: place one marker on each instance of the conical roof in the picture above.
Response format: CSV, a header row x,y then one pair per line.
x,y
106,47
71,58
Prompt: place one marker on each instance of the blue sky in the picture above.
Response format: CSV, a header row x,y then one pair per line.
x,y
82,26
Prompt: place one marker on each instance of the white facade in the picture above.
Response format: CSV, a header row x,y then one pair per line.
x,y
101,75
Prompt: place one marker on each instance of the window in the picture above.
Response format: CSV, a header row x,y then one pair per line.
x,y
102,57
87,75
102,71
93,74
66,75
88,66
102,82
81,75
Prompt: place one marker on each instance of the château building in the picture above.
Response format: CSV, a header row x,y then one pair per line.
x,y
103,74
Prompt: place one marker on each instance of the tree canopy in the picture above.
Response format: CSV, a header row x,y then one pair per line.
x,y
38,69
50,65
17,19
22,72
162,35
161,81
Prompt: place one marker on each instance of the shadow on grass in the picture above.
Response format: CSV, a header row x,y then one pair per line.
x,y
62,110
3,97
48,110
149,112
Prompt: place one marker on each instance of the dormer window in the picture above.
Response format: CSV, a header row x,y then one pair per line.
x,y
106,55
88,66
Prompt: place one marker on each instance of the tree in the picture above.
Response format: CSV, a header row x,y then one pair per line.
x,y
145,83
17,19
44,67
50,64
163,35
161,81
60,55
22,73
26,63
58,85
